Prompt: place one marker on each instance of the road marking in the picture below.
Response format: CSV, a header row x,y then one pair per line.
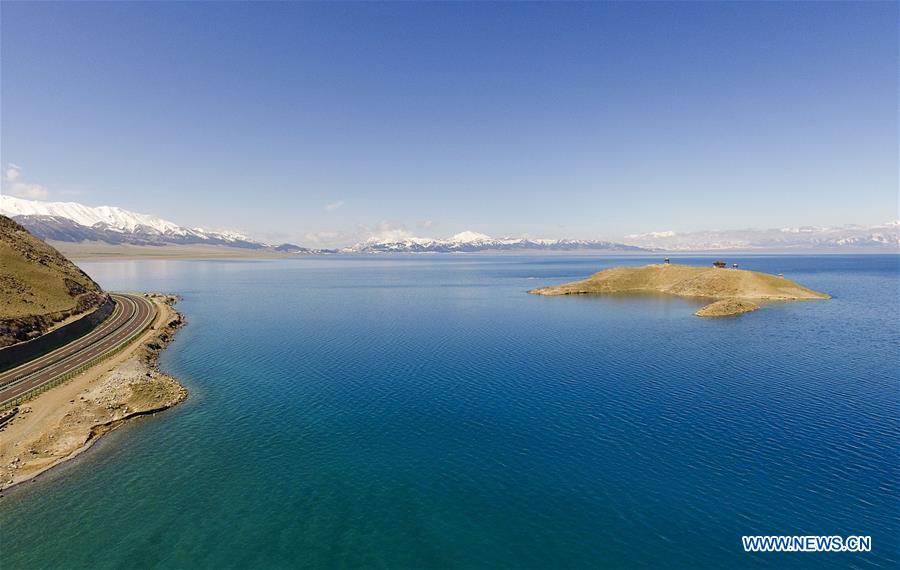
x,y
102,328
85,357
25,371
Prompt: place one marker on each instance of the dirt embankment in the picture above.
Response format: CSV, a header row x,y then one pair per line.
x,y
65,421
736,291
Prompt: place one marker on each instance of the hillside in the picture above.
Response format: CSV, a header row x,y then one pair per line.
x,y
734,289
39,287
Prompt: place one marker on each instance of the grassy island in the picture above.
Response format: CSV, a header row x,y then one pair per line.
x,y
734,291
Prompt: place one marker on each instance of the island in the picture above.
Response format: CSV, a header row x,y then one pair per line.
x,y
733,291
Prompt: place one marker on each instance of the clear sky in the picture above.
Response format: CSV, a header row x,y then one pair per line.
x,y
305,121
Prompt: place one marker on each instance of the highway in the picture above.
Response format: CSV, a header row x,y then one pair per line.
x,y
131,315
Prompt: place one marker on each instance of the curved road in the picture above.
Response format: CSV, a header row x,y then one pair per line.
x,y
130,315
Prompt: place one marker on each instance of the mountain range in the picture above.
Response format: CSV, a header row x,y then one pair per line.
x,y
73,222
849,237
470,242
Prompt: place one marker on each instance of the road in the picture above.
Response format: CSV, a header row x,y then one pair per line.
x,y
130,315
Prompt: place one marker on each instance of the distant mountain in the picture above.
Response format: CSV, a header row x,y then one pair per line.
x,y
470,242
884,237
73,222
291,248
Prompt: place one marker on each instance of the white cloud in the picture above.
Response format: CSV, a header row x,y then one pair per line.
x,y
324,237
71,192
15,186
388,231
12,172
396,234
334,206
663,234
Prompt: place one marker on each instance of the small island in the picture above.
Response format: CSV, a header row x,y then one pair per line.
x,y
734,291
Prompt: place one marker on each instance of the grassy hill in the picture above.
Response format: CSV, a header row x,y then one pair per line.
x,y
736,289
39,287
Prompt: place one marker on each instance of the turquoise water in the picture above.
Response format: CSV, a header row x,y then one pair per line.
x,y
425,412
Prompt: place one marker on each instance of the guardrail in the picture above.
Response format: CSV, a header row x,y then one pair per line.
x,y
66,376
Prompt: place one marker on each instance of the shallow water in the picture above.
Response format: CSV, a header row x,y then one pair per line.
x,y
419,412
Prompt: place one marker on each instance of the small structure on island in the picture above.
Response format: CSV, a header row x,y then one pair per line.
x,y
719,264
666,261
734,266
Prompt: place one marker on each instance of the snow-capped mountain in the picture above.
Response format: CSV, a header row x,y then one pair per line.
x,y
469,241
879,237
73,222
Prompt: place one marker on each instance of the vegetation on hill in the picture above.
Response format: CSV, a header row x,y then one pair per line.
x,y
738,286
39,287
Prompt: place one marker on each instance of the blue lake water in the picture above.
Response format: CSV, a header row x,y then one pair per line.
x,y
424,412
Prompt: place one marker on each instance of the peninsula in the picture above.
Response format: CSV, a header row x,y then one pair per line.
x,y
75,361
733,291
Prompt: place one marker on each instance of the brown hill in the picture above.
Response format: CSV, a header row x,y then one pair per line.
x,y
39,287
740,288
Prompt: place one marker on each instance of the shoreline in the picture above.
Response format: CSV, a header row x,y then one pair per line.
x,y
66,421
98,251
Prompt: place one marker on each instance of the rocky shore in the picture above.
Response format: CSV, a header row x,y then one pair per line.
x,y
65,421
727,308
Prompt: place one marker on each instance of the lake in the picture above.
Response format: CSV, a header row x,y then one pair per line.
x,y
425,412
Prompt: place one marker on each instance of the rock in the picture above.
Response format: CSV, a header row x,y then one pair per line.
x,y
727,308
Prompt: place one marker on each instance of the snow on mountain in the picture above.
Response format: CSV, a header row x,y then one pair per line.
x,y
879,237
114,218
70,221
876,238
469,237
73,222
398,241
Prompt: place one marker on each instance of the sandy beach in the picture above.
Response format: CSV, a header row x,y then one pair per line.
x,y
65,421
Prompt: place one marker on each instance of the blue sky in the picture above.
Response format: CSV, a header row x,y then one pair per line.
x,y
329,121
